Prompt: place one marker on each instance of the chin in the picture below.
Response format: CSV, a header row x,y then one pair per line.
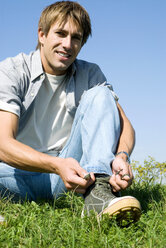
x,y
63,67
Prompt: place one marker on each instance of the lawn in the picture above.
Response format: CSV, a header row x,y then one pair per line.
x,y
58,224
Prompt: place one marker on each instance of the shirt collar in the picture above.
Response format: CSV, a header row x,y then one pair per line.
x,y
72,69
37,68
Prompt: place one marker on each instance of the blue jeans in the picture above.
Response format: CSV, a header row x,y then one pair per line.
x,y
92,142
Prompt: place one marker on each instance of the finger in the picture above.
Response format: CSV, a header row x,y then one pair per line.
x,y
118,172
79,177
78,182
126,177
115,186
126,174
122,180
123,184
82,172
90,178
131,173
77,189
87,176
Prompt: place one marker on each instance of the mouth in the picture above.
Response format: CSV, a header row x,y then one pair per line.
x,y
64,55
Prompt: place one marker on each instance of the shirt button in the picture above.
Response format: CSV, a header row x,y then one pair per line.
x,y
32,94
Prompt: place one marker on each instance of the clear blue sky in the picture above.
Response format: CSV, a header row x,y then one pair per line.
x,y
128,43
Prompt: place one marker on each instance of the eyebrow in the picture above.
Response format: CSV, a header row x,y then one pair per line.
x,y
79,34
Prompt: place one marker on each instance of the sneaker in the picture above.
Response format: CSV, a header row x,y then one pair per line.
x,y
1,219
100,198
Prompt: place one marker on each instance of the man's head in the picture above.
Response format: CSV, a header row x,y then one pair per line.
x,y
60,12
64,27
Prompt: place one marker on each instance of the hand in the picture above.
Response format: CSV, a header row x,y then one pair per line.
x,y
122,174
73,174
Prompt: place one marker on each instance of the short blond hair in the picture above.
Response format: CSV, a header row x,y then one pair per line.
x,y
62,10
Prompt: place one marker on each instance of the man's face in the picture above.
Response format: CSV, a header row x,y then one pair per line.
x,y
60,47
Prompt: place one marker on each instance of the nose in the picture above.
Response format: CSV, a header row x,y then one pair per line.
x,y
67,42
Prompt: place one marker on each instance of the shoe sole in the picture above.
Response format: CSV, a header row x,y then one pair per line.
x,y
126,209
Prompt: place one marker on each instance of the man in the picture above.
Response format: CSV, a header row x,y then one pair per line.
x,y
61,126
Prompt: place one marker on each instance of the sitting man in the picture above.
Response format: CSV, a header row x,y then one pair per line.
x,y
61,125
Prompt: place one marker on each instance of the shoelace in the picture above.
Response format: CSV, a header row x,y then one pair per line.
x,y
103,188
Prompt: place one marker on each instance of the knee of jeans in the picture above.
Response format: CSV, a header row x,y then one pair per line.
x,y
100,95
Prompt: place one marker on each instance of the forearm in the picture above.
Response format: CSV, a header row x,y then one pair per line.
x,y
20,155
127,137
122,173
24,157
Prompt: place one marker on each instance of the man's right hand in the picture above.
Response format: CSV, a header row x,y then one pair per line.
x,y
73,175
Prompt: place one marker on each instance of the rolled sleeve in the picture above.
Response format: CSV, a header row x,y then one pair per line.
x,y
10,99
10,108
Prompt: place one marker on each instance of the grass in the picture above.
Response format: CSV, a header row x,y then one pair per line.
x,y
58,224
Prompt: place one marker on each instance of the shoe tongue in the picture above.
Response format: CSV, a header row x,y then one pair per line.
x,y
104,179
99,175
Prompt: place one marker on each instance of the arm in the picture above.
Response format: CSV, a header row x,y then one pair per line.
x,y
126,143
24,157
127,137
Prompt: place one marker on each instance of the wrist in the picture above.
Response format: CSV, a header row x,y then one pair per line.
x,y
52,163
124,155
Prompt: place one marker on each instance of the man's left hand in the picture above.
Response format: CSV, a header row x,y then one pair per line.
x,y
122,175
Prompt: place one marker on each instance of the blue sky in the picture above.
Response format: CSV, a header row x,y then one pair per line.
x,y
128,43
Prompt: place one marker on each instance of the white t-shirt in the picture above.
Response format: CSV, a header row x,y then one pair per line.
x,y
49,126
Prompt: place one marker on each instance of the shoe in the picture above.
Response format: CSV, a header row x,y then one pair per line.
x,y
1,219
100,198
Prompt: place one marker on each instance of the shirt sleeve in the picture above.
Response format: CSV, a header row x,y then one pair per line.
x,y
10,99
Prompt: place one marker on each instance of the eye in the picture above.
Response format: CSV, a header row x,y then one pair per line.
x,y
60,33
77,37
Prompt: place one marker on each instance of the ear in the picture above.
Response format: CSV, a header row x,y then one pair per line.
x,y
41,36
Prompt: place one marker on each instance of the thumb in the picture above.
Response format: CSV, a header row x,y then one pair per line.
x,y
125,177
89,176
81,172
